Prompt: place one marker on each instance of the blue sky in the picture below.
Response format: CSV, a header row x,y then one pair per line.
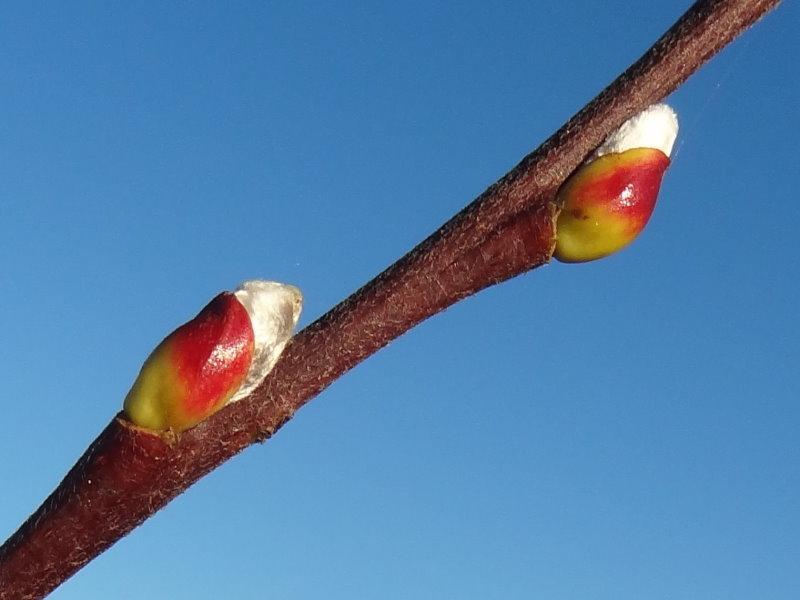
x,y
624,429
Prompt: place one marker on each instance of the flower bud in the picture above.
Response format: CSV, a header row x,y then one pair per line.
x,y
608,200
218,357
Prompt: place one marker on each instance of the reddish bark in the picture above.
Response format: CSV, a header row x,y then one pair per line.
x,y
127,474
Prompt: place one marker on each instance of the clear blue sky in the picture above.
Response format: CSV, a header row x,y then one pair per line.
x,y
620,430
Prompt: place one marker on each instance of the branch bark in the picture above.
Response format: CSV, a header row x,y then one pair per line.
x,y
127,474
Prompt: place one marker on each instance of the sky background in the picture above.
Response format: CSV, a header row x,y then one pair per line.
x,y
624,429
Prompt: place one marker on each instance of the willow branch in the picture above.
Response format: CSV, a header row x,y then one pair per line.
x,y
127,474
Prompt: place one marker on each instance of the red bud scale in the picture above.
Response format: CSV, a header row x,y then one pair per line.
x,y
609,199
218,357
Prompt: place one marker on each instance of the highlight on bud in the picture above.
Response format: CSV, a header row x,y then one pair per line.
x,y
218,357
608,200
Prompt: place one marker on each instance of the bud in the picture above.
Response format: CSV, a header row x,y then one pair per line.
x,y
218,357
607,202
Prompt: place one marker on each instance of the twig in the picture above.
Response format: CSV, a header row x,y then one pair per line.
x,y
128,474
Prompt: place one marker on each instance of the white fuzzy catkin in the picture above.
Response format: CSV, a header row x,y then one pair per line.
x,y
273,309
655,127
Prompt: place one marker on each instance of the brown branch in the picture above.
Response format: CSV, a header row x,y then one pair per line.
x,y
128,474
